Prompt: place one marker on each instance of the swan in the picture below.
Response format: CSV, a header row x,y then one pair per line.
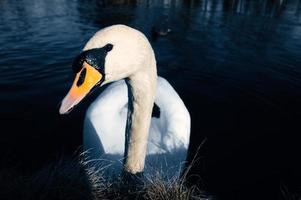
x,y
121,122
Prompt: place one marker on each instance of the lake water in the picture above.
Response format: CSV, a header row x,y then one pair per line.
x,y
236,64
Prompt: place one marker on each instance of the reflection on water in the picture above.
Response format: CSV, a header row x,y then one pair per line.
x,y
235,63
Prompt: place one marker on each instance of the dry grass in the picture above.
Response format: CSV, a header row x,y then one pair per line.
x,y
78,178
154,186
74,179
174,188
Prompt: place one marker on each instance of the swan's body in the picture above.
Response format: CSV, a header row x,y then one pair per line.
x,y
168,134
120,121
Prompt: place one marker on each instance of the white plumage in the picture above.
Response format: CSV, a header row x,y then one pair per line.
x,y
105,122
110,119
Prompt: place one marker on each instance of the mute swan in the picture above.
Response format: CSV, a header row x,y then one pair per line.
x,y
119,122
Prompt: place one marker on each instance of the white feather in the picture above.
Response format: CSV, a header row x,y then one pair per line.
x,y
105,121
132,57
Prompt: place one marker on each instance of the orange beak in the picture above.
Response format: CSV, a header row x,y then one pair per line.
x,y
84,81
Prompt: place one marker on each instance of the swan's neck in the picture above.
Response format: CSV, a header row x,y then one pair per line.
x,y
141,93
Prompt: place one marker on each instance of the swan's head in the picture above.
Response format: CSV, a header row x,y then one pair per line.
x,y
113,53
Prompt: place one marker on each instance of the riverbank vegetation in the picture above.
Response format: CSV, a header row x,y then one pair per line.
x,y
73,179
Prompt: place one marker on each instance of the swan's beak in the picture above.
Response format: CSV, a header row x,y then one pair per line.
x,y
84,81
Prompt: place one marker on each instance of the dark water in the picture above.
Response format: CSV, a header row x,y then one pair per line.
x,y
236,64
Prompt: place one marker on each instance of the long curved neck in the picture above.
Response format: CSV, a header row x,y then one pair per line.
x,y
141,92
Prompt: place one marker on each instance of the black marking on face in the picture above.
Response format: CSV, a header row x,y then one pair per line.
x,y
108,47
156,111
82,77
94,57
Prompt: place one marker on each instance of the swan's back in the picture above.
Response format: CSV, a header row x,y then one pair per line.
x,y
105,122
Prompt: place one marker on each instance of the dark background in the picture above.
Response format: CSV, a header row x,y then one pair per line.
x,y
236,65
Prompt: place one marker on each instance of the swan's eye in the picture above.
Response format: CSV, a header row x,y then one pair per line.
x,y
81,78
108,47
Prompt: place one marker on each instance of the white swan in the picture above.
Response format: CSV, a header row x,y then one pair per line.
x,y
119,122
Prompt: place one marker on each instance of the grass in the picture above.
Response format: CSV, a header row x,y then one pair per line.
x,y
75,179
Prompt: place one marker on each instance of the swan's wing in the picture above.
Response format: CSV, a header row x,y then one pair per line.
x,y
171,131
